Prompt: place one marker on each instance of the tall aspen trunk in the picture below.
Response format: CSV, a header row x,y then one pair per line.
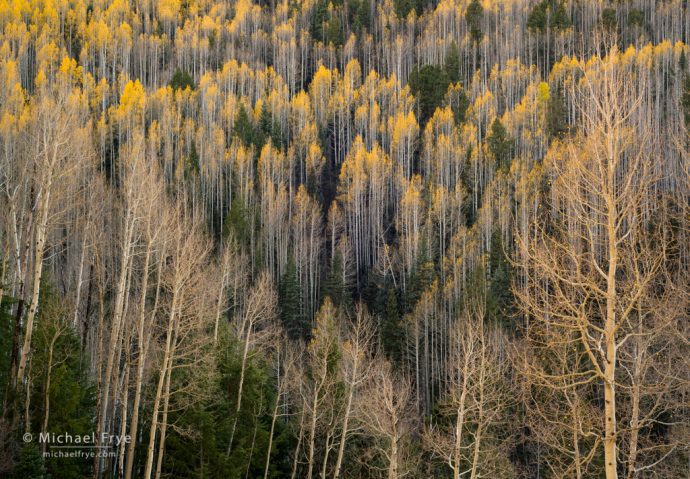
x,y
459,425
480,415
245,354
274,417
634,417
300,436
312,434
80,276
36,281
141,360
115,330
610,453
159,389
164,422
343,434
46,414
123,419
393,464
219,308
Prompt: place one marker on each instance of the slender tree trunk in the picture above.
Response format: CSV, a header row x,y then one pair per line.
x,y
159,390
41,228
459,425
164,422
300,436
610,453
115,329
274,416
634,417
46,414
345,425
312,434
245,354
123,419
141,360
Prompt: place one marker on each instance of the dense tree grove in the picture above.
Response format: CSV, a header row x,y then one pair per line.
x,y
345,238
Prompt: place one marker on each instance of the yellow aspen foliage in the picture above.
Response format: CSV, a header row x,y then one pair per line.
x,y
167,9
132,100
410,219
320,90
404,133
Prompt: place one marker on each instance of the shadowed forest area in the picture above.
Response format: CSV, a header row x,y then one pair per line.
x,y
345,239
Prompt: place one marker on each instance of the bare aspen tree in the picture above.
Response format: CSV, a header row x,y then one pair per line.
x,y
187,252
152,236
255,330
476,399
558,411
389,418
357,353
136,177
232,275
591,267
56,328
319,381
287,358
58,149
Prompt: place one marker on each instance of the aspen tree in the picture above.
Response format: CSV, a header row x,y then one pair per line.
x,y
152,236
58,149
476,396
592,268
186,255
356,364
254,328
135,175
323,360
388,418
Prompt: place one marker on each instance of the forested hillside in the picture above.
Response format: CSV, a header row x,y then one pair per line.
x,y
346,238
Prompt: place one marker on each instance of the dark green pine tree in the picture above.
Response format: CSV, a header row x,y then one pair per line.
x,y
237,222
452,63
181,80
500,300
30,465
501,145
243,128
319,20
459,104
204,454
429,85
636,18
404,7
608,19
473,17
548,14
6,328
289,302
333,286
334,31
422,276
192,167
468,209
268,129
536,20
556,114
72,395
561,20
391,329
359,15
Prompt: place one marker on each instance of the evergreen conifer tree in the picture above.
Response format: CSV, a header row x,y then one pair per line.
x,y
289,299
